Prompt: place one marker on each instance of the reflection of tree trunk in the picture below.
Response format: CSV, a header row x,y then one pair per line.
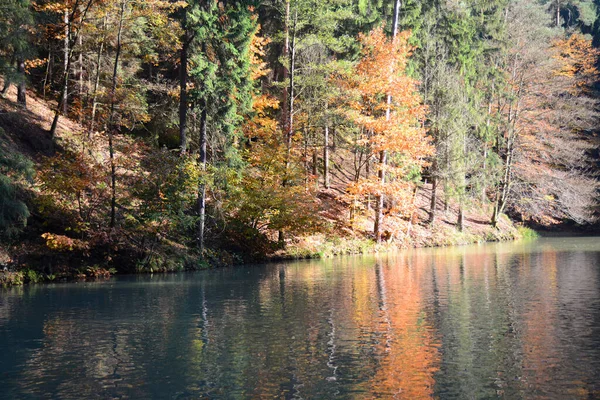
x,y
383,306
205,322
202,187
331,347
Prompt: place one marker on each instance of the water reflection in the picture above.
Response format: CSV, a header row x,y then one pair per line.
x,y
510,320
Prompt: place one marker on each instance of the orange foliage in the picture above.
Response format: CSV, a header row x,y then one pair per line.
x,y
396,127
381,72
63,243
257,53
578,60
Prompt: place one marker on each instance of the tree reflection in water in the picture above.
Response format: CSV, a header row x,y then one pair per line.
x,y
511,320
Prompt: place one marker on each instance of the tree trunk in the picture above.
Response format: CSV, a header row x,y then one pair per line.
x,y
202,187
80,62
382,155
484,183
496,212
6,86
380,198
460,222
504,189
315,165
333,139
62,102
96,83
21,89
183,75
290,49
47,74
326,157
111,127
65,92
290,110
367,175
433,204
413,210
7,81
284,68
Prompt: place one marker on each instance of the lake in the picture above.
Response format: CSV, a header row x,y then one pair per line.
x,y
511,320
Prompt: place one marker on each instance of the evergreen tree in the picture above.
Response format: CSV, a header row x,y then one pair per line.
x,y
222,86
15,44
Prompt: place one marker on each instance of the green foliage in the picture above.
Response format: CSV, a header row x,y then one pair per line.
x,y
526,233
220,64
162,194
32,276
12,278
15,172
15,42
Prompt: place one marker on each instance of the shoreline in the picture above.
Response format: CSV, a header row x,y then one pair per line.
x,y
306,248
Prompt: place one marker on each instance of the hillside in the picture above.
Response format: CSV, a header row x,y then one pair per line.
x,y
25,133
196,134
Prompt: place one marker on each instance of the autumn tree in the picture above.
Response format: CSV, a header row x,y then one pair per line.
x,y
554,179
390,127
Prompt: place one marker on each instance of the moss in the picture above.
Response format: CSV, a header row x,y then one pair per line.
x,y
526,233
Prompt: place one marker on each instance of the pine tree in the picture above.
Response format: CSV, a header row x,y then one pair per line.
x,y
15,45
221,75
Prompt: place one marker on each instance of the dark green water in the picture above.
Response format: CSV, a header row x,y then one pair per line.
x,y
508,321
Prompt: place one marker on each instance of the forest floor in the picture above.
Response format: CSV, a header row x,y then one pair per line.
x,y
355,237
26,131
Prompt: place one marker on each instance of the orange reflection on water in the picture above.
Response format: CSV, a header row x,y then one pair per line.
x,y
408,351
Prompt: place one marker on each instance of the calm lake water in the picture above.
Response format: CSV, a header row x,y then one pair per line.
x,y
517,320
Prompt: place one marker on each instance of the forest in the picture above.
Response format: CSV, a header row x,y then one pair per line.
x,y
145,136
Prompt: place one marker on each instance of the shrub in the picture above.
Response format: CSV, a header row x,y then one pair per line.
x,y
15,170
527,233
